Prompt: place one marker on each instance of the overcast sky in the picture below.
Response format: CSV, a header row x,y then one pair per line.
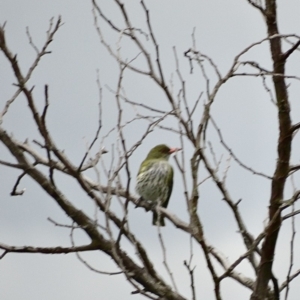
x,y
243,110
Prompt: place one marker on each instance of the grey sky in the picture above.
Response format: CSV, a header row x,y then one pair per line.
x,y
243,110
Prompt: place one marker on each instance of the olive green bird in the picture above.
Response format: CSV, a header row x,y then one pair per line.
x,y
155,179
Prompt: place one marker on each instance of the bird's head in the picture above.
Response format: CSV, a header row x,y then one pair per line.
x,y
161,152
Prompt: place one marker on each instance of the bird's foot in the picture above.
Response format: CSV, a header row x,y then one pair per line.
x,y
152,205
148,205
139,202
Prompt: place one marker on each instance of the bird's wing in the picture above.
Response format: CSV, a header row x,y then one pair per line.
x,y
169,182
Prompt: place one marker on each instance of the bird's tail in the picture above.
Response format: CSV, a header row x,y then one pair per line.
x,y
158,220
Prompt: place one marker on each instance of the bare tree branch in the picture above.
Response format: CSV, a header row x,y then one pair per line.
x,y
47,250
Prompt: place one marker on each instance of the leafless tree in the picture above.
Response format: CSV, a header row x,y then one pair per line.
x,y
43,159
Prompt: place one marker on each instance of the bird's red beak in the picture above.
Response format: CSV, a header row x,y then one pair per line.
x,y
172,150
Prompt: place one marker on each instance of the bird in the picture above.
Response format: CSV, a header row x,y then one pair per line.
x,y
154,181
